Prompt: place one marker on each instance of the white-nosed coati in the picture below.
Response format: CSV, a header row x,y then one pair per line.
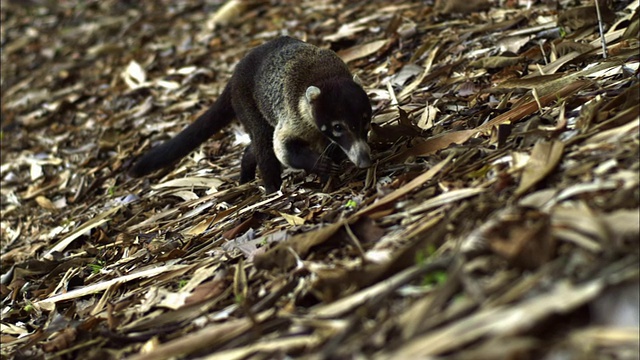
x,y
295,100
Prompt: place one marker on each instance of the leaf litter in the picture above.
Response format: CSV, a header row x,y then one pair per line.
x,y
500,220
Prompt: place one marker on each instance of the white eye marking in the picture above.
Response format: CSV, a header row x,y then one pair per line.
x,y
337,128
323,128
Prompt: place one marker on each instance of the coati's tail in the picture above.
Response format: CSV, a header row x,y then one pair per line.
x,y
219,115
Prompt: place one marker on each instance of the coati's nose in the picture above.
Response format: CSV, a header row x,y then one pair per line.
x,y
364,160
360,154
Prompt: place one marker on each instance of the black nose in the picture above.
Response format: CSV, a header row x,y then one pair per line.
x,y
359,153
364,161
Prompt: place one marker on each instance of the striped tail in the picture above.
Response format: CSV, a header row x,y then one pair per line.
x,y
219,115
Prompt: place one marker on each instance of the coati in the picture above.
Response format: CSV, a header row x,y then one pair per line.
x,y
296,101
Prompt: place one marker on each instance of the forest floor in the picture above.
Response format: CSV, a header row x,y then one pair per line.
x,y
500,219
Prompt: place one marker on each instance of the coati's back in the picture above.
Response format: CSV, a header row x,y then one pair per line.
x,y
282,70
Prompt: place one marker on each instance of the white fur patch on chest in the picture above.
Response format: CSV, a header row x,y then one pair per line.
x,y
279,134
290,128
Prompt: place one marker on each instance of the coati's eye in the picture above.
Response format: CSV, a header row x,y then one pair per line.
x,y
338,128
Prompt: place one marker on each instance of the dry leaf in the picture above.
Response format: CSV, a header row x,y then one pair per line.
x,y
544,159
134,75
360,51
293,220
435,144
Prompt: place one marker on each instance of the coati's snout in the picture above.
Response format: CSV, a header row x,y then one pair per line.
x,y
359,154
345,118
352,139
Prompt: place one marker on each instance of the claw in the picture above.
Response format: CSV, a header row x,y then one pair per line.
x,y
324,166
335,169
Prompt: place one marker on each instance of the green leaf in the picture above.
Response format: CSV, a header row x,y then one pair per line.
x,y
351,204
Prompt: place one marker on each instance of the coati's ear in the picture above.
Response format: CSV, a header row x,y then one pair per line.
x,y
312,93
356,79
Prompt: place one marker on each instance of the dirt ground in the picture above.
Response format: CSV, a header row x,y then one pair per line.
x,y
500,219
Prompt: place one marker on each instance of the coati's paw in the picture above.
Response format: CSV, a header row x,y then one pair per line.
x,y
326,167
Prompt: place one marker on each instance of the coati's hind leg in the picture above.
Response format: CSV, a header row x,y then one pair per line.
x,y
261,152
248,165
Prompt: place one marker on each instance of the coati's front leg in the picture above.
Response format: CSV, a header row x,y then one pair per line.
x,y
298,154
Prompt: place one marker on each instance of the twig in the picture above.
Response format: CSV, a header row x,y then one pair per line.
x,y
355,241
602,39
